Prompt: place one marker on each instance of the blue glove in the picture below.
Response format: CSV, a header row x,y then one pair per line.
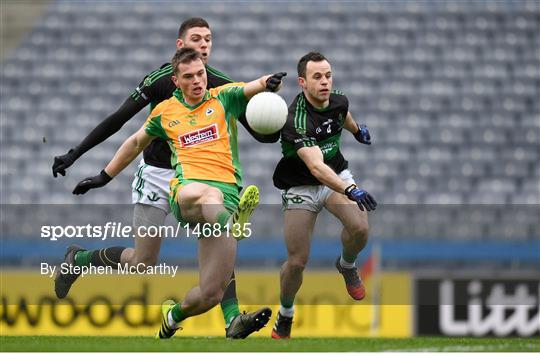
x,y
362,135
361,197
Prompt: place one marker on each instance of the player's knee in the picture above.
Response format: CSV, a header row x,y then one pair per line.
x,y
360,231
212,297
297,264
212,195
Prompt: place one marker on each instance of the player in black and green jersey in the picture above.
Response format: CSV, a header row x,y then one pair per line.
x,y
314,174
151,185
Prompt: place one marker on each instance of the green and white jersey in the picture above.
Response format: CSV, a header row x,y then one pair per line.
x,y
308,126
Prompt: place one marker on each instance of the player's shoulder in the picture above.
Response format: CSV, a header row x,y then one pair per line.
x,y
214,92
299,103
297,112
218,76
338,95
164,72
338,98
163,107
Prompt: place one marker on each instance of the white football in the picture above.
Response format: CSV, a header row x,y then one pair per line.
x,y
266,113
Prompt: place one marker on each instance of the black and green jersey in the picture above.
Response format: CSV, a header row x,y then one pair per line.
x,y
308,126
157,87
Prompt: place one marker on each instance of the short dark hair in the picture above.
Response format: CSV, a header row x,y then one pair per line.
x,y
190,23
311,56
184,56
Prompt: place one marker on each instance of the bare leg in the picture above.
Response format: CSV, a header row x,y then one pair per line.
x,y
353,238
355,223
216,263
298,230
202,203
146,249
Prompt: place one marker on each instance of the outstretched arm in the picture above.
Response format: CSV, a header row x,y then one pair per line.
x,y
129,150
264,83
108,127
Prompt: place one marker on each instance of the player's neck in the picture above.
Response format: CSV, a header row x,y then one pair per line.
x,y
315,102
193,102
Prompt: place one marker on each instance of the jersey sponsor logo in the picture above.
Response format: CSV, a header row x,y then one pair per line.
x,y
199,136
209,111
328,147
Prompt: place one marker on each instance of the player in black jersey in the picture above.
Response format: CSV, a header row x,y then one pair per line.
x,y
313,174
151,184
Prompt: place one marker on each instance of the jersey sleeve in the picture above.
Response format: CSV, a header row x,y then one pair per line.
x,y
153,126
232,97
149,88
341,101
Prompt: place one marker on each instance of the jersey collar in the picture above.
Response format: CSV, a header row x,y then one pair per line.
x,y
180,97
315,108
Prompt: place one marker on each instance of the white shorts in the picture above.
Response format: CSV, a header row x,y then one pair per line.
x,y
311,198
151,186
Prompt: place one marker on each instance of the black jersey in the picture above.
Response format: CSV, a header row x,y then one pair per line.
x,y
308,126
156,87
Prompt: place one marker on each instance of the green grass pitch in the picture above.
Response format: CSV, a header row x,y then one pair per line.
x,y
203,344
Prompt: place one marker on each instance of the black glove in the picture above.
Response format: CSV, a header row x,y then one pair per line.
x,y
273,83
361,197
92,182
62,162
362,135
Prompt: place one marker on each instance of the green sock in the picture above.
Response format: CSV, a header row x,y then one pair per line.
x,y
223,217
287,303
177,314
82,258
347,257
230,310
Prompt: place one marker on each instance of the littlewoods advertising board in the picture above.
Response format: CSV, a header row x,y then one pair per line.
x,y
130,305
472,304
478,305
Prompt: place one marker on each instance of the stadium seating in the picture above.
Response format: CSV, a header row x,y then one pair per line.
x,y
449,90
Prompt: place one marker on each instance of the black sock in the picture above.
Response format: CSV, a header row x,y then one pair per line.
x,y
230,291
102,257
